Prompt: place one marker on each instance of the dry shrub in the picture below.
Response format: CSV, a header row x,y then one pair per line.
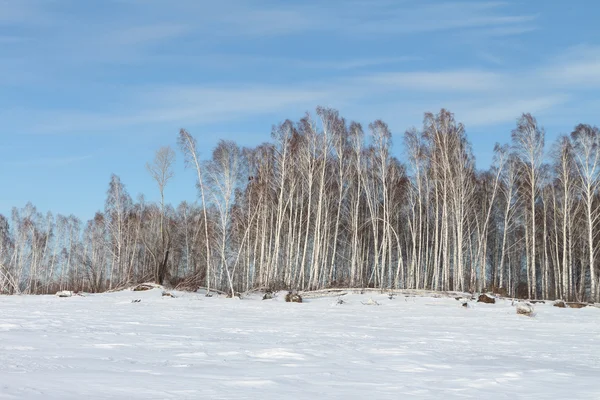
x,y
500,291
522,292
175,281
340,283
190,283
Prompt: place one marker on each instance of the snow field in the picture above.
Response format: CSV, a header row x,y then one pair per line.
x,y
189,347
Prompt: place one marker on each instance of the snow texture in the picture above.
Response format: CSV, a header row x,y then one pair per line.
x,y
191,346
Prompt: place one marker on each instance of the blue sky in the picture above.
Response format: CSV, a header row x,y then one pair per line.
x,y
91,88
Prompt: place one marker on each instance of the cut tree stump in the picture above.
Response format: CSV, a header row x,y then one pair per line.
x,y
370,302
268,296
293,297
525,309
144,286
486,298
577,305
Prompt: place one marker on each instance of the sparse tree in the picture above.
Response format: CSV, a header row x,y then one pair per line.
x,y
161,170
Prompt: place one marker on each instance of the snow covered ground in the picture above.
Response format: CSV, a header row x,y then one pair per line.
x,y
192,347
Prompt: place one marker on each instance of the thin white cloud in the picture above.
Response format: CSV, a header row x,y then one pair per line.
x,y
345,64
181,105
481,97
146,34
350,64
578,66
79,39
266,22
491,58
442,81
95,40
497,111
14,13
442,16
508,30
12,39
236,18
49,162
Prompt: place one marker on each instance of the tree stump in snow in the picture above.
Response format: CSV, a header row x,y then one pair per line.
x,y
142,287
268,295
293,297
525,309
560,304
486,298
577,305
370,302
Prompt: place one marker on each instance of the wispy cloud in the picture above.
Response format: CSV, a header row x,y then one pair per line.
x,y
28,12
155,28
496,111
49,162
441,81
360,63
182,105
579,66
501,31
145,34
296,63
480,97
341,64
266,22
491,58
12,39
403,18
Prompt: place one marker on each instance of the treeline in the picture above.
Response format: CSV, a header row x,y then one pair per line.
x,y
325,204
